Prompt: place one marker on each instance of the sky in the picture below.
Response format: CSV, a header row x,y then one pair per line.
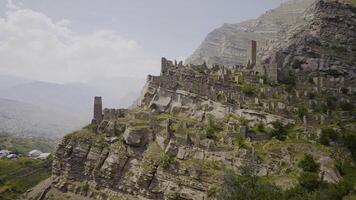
x,y
80,40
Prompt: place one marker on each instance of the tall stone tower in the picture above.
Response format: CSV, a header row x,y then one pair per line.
x,y
98,110
252,54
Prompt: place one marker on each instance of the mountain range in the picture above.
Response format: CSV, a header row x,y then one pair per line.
x,y
35,108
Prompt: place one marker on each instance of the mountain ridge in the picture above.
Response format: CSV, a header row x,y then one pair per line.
x,y
228,44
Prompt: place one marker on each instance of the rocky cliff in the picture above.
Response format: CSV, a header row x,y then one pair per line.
x,y
325,46
227,45
193,122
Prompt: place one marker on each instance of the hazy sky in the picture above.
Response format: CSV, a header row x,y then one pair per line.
x,y
78,40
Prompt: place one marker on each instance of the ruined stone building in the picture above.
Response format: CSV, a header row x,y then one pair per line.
x,y
252,54
98,110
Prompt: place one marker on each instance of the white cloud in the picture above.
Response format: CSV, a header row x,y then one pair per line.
x,y
33,45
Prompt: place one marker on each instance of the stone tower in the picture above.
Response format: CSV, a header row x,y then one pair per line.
x,y
98,110
252,54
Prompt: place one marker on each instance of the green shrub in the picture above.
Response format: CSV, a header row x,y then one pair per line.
x,y
335,191
212,191
350,143
309,180
311,95
200,68
85,187
301,112
308,164
243,121
260,127
247,187
310,188
165,160
320,107
248,89
279,130
211,133
330,101
17,176
346,106
328,135
213,127
324,139
289,79
240,141
344,90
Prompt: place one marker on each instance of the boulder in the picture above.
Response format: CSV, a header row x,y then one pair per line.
x,y
183,153
136,137
172,148
330,175
208,143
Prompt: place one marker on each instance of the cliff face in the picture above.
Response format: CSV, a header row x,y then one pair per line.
x,y
193,122
177,143
325,46
227,45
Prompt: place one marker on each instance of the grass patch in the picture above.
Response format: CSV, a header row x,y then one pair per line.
x,y
17,176
24,145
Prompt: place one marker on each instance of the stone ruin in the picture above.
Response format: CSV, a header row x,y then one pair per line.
x,y
98,110
252,54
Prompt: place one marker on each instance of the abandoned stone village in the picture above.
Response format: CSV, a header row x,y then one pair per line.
x,y
192,121
292,98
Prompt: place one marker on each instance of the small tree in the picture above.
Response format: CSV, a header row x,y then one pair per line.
x,y
236,187
165,160
309,180
243,121
261,127
301,112
330,102
279,130
308,164
350,143
248,89
213,127
346,106
327,135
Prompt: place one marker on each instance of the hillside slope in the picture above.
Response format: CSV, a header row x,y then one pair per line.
x,y
195,128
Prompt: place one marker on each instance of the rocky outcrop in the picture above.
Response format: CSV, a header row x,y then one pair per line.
x,y
136,136
323,46
228,44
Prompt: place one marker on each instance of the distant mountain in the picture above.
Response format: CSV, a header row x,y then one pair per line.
x,y
228,44
35,108
64,97
7,81
24,119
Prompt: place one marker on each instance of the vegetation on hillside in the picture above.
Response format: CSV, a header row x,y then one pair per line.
x,y
19,175
23,145
310,186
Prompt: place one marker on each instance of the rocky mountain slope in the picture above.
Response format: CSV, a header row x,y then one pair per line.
x,y
227,45
193,123
324,46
